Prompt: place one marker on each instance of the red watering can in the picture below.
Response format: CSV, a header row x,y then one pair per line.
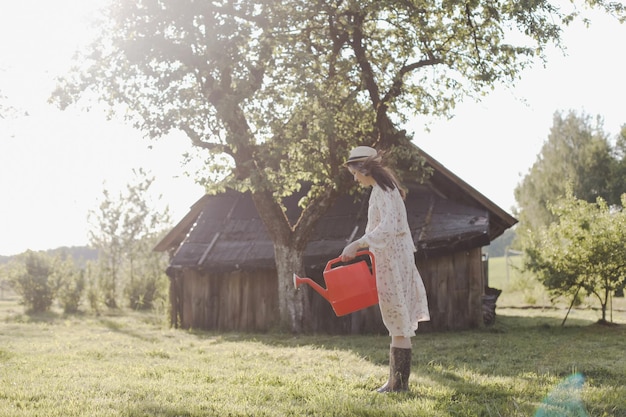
x,y
349,287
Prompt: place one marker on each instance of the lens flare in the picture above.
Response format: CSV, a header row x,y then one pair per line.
x,y
564,400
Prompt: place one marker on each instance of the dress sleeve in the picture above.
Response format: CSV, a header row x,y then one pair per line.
x,y
382,212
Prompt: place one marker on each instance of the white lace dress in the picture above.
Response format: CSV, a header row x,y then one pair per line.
x,y
401,293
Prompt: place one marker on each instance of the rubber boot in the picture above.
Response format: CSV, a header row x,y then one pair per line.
x,y
399,370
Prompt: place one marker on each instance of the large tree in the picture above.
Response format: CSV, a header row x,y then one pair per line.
x,y
618,175
277,92
578,155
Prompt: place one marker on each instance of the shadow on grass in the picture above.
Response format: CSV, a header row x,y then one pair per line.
x,y
48,317
514,347
514,322
367,343
122,328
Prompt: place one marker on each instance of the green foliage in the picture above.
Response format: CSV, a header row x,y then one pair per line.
x,y
41,278
33,279
583,249
79,254
618,175
104,235
147,284
578,155
93,287
284,89
71,284
124,230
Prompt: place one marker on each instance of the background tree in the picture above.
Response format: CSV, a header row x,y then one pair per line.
x,y
105,236
32,277
142,225
70,282
618,175
281,90
124,230
582,249
577,154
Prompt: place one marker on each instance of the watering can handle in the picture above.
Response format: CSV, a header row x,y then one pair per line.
x,y
337,260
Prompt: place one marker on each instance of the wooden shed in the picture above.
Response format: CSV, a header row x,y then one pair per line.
x,y
223,277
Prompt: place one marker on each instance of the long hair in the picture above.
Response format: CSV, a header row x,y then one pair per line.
x,y
383,175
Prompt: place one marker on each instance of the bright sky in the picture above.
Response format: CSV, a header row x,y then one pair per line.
x,y
54,165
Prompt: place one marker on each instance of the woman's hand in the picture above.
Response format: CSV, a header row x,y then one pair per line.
x,y
349,252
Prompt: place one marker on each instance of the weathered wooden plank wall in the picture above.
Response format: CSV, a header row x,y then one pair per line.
x,y
454,284
246,300
239,301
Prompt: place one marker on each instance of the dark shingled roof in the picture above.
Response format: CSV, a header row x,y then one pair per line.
x,y
228,233
224,232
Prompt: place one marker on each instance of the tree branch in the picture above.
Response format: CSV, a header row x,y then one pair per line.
x,y
196,140
367,71
470,23
396,88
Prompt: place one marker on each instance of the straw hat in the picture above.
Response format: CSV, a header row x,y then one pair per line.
x,y
361,153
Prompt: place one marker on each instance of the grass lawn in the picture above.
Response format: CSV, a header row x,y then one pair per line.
x,y
132,364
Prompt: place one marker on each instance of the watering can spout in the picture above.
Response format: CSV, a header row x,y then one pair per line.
x,y
297,281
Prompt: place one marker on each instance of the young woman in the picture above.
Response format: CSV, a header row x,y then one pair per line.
x,y
401,293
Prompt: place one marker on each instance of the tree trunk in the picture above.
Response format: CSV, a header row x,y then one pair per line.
x,y
605,302
290,302
289,245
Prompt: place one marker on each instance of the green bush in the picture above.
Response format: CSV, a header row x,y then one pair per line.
x,y
71,290
93,293
33,280
147,286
